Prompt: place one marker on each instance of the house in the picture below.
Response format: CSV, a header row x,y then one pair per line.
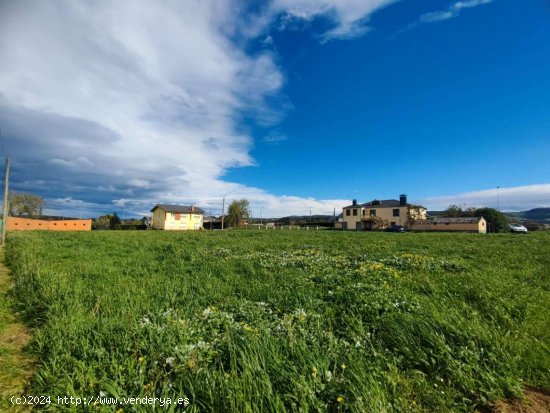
x,y
463,224
177,217
379,214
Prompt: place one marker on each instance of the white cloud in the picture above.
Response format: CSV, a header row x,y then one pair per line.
x,y
519,198
133,102
451,12
350,16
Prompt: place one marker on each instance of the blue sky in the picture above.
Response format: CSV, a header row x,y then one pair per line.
x,y
293,104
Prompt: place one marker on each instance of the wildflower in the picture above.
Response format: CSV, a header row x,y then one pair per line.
x,y
170,360
343,366
121,410
141,359
300,314
313,372
340,399
328,375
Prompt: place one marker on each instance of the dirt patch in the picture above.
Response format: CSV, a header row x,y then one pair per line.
x,y
15,366
534,401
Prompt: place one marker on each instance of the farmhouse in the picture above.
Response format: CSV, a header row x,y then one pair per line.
x,y
378,214
177,217
465,224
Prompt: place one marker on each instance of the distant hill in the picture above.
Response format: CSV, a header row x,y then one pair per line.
x,y
535,214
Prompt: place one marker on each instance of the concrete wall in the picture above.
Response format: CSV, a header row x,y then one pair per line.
x,y
480,227
26,224
159,216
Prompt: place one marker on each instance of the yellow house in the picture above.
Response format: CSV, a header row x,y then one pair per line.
x,y
378,214
177,217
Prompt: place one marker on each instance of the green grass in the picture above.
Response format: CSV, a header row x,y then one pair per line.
x,y
15,366
273,321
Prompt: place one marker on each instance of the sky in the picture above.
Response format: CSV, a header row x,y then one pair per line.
x,y
295,105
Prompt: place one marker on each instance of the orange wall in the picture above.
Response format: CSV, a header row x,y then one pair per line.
x,y
26,224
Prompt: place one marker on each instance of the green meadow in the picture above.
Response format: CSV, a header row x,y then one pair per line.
x,y
275,321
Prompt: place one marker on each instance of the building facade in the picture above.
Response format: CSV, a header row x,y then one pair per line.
x,y
177,217
465,224
380,214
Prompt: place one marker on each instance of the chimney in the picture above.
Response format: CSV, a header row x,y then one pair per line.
x,y
192,208
355,202
403,200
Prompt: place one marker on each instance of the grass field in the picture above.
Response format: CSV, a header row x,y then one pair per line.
x,y
261,321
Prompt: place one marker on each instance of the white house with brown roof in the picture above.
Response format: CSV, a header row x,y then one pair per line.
x,y
177,217
378,214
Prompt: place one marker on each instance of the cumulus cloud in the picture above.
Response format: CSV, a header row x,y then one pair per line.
x,y
518,198
451,12
107,104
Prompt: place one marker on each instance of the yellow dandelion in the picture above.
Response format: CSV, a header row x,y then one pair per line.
x,y
343,366
121,410
340,399
141,359
314,372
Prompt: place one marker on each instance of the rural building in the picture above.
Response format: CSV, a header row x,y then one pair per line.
x,y
30,224
177,217
464,224
379,214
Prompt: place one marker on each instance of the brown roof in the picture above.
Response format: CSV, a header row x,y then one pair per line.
x,y
182,209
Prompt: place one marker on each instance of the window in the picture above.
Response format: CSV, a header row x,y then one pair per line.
x,y
348,212
396,212
373,212
364,212
392,223
354,212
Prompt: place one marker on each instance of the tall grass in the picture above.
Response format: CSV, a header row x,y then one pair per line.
x,y
287,321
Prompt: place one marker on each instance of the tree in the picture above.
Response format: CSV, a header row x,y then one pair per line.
x,y
25,204
114,222
238,211
454,211
102,222
414,212
496,220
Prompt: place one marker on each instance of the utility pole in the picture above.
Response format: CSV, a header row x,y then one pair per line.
x,y
334,218
6,207
223,211
498,198
210,218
